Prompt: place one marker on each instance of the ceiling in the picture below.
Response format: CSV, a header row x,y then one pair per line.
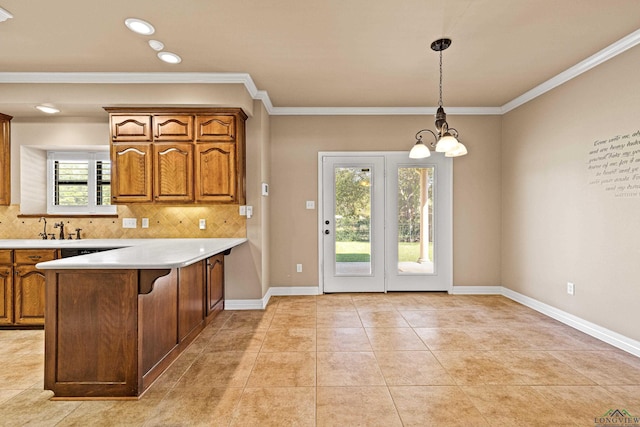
x,y
310,53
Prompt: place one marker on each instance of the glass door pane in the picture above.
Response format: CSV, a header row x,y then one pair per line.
x,y
352,221
415,213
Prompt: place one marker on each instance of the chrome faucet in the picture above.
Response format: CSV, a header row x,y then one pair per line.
x,y
44,231
60,225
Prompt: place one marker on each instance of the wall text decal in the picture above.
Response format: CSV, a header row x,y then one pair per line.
x,y
614,164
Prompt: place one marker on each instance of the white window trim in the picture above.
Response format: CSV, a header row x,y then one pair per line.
x,y
92,208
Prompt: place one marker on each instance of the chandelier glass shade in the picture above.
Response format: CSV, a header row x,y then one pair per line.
x,y
445,139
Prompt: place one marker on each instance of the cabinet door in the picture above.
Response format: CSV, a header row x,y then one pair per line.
x,y
173,172
5,160
215,282
29,286
130,128
131,173
173,128
216,128
216,171
6,295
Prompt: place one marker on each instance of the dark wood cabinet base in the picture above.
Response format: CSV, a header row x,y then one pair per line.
x,y
111,333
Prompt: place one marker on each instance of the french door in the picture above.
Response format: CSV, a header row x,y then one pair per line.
x,y
385,222
352,227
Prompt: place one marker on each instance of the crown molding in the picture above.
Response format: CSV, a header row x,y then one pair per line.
x,y
604,55
382,111
4,15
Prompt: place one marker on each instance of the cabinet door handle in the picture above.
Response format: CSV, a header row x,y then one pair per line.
x,y
35,256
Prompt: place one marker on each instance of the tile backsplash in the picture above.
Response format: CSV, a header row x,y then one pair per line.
x,y
164,222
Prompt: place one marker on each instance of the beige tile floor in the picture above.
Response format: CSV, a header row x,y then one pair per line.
x,y
413,359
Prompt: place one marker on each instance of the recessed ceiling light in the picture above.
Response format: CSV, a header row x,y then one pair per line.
x,y
47,109
156,45
169,57
139,26
4,15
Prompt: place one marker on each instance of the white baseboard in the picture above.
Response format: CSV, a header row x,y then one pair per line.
x,y
248,304
610,337
260,304
476,290
294,290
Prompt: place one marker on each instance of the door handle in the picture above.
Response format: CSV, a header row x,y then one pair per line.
x,y
326,231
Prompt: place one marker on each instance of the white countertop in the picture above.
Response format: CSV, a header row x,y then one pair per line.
x,y
133,253
59,244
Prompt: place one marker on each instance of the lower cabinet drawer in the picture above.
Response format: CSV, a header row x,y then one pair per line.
x,y
6,256
34,256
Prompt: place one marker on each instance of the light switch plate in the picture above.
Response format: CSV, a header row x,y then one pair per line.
x,y
145,222
202,223
249,211
243,210
311,204
265,189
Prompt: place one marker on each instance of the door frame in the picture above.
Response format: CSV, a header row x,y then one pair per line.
x,y
448,232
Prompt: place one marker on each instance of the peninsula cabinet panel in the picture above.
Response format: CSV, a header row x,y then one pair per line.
x,y
191,300
131,174
173,167
5,159
215,283
130,128
6,295
216,128
173,128
91,340
159,319
216,172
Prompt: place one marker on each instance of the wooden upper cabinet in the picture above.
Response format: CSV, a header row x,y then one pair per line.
x,y
216,172
216,128
177,155
5,159
131,173
130,127
173,172
173,128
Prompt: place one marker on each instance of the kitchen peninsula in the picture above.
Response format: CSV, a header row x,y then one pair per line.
x,y
116,320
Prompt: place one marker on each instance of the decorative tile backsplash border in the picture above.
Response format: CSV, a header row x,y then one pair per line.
x,y
164,222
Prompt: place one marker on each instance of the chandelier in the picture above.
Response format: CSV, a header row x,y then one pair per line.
x,y
445,138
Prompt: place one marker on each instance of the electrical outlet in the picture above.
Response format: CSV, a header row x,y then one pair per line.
x,y
243,210
202,223
571,289
129,223
145,222
298,268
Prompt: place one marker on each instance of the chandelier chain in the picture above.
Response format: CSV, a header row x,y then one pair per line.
x,y
440,101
